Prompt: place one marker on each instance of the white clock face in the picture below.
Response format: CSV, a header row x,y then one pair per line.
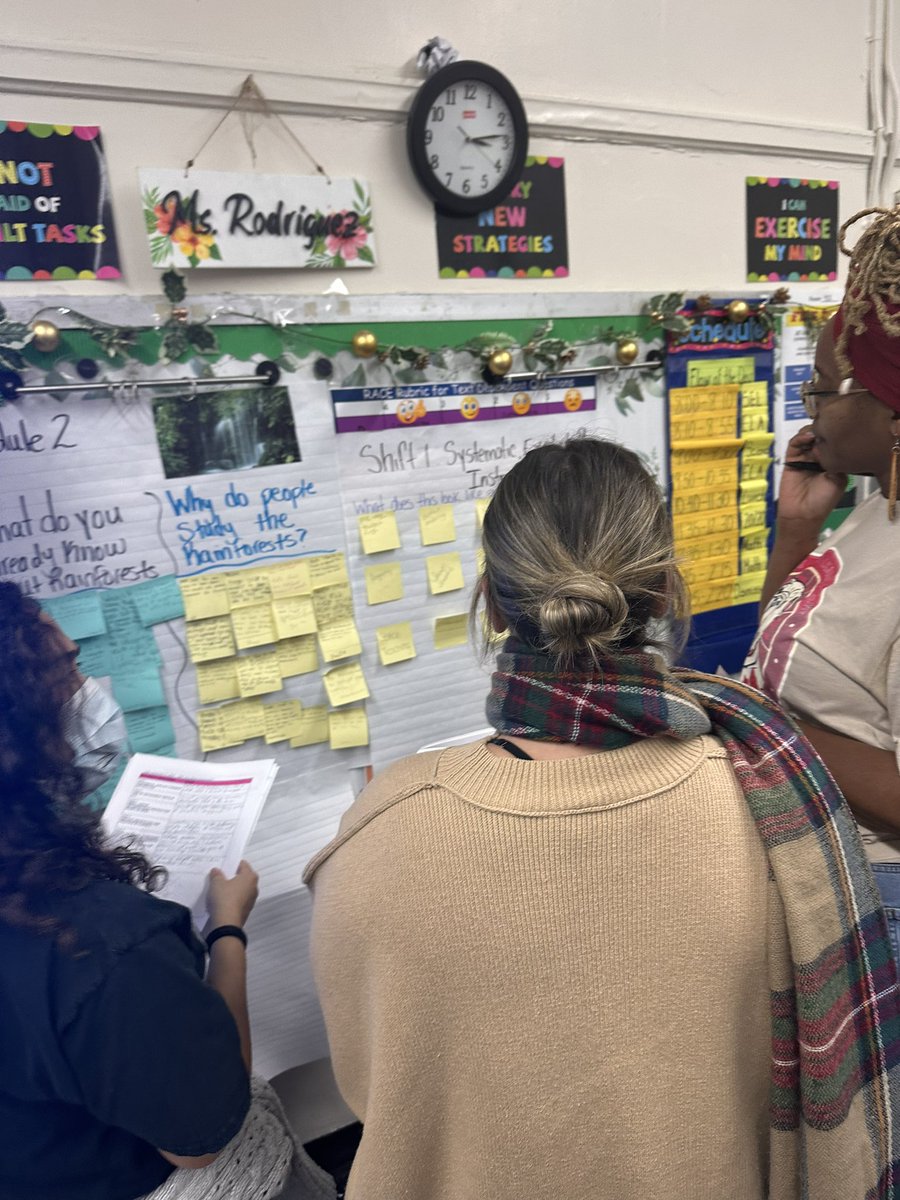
x,y
469,138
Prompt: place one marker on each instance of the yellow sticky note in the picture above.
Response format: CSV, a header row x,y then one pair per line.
x,y
212,638
481,507
379,532
217,680
204,596
326,569
247,587
213,730
313,727
754,560
755,395
243,720
297,656
340,640
395,643
254,626
479,561
451,631
283,719
345,684
748,587
290,579
436,524
348,727
293,616
258,674
754,420
444,573
332,603
384,582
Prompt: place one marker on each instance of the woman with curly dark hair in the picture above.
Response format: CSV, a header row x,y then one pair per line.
x,y
120,1064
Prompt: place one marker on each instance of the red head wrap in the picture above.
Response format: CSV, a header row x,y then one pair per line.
x,y
874,356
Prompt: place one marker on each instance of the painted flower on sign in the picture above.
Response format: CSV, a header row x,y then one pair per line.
x,y
169,231
347,245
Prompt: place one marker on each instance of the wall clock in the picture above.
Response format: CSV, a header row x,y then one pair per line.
x,y
467,137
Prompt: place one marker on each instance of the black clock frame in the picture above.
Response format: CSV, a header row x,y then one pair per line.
x,y
446,200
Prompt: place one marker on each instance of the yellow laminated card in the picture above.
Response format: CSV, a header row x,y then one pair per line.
x,y
716,594
714,546
348,727
755,466
290,579
204,596
258,674
754,420
283,720
704,372
702,426
340,640
755,395
293,616
753,489
312,727
698,451
297,655
748,588
481,507
217,680
705,570
247,587
702,500
384,582
451,631
395,643
346,684
332,603
243,720
254,626
378,532
753,515
754,560
688,402
212,638
754,538
436,524
705,524
445,573
326,569
714,473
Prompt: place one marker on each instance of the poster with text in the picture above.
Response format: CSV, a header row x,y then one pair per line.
x,y
227,219
522,238
55,212
792,227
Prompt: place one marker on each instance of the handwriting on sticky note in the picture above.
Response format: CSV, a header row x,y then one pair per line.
x,y
444,573
293,616
79,615
297,656
204,596
348,727
258,674
158,600
213,731
243,720
451,631
395,643
326,569
340,640
139,688
332,603
217,680
378,532
283,719
384,582
436,524
313,727
254,626
211,638
247,587
345,684
290,579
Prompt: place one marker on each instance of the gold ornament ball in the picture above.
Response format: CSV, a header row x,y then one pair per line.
x,y
738,310
365,343
46,336
626,351
499,362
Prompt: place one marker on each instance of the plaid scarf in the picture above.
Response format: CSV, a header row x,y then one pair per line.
x,y
835,1011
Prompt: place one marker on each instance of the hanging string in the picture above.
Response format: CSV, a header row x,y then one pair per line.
x,y
250,99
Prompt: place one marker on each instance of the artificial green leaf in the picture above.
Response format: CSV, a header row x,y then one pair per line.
x,y
201,337
174,287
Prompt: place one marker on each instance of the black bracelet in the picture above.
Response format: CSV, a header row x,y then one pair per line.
x,y
225,931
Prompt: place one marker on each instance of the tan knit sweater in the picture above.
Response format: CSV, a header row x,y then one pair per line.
x,y
548,980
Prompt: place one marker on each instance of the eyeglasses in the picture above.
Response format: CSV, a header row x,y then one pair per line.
x,y
813,397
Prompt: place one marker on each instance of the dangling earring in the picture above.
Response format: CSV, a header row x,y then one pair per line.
x,y
892,481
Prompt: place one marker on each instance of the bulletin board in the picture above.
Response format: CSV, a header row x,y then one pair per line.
x,y
286,572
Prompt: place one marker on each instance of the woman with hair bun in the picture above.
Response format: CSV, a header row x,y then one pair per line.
x,y
613,952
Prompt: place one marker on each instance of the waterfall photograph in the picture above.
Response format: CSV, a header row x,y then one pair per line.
x,y
229,430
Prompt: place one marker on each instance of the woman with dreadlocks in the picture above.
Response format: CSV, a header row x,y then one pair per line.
x,y
616,951
828,647
124,1073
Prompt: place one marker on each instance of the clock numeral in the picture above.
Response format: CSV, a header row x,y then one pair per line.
x,y
498,165
428,136
450,96
449,178
490,97
466,187
471,91
506,141
434,162
484,181
437,113
501,118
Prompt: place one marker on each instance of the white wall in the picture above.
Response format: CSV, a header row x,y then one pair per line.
x,y
660,108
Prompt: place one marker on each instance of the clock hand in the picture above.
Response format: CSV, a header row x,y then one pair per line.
x,y
485,137
465,135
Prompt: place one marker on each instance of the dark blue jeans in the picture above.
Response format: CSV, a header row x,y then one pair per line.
x,y
887,876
